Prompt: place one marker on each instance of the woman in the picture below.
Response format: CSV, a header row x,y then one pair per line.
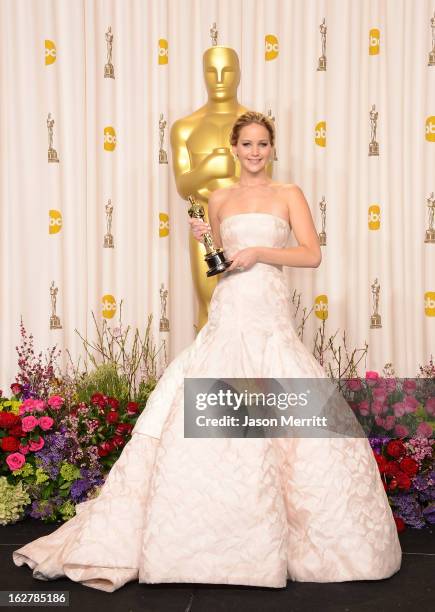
x,y
233,510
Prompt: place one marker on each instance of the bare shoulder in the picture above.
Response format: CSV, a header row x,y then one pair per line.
x,y
218,196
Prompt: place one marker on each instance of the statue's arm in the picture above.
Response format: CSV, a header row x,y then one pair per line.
x,y
188,181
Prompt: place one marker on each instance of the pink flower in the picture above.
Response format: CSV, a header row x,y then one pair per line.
x,y
28,423
354,384
55,401
39,405
15,461
380,421
364,408
45,422
409,385
390,384
24,448
390,421
430,406
372,377
410,404
398,409
401,431
380,394
377,408
424,430
32,404
36,445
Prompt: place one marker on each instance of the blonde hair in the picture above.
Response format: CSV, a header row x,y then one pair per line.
x,y
249,118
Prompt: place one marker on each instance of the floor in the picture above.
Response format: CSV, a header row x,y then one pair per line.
x,y
409,590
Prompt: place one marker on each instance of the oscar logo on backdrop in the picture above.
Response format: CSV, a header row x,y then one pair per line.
x,y
432,51
373,145
109,71
375,318
108,236
202,158
430,232
322,59
52,153
54,319
322,233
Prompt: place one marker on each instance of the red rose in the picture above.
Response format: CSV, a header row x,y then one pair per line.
x,y
113,403
7,419
112,416
118,441
392,485
132,407
382,462
8,443
104,449
16,388
16,431
400,523
396,448
124,428
409,466
392,468
99,399
111,445
403,481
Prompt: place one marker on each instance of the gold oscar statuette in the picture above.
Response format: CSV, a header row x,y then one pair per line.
x,y
52,153
373,145
164,321
214,257
430,232
375,319
322,59
163,156
431,61
109,71
322,234
108,236
54,319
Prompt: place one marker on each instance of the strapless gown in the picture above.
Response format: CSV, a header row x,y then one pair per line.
x,y
255,511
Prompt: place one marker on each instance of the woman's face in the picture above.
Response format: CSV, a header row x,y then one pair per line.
x,y
253,148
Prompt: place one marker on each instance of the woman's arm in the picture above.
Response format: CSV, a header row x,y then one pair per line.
x,y
308,253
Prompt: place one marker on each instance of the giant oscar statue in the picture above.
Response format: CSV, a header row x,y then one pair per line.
x,y
201,153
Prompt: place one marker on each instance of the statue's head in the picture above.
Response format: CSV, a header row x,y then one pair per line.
x,y
221,72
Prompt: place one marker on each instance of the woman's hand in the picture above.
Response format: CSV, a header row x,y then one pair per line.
x,y
244,259
199,228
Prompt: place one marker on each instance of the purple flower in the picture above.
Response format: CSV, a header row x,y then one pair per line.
x,y
429,513
408,509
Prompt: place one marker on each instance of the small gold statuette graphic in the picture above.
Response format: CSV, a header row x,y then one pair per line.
x,y
322,59
432,51
109,71
163,156
272,118
213,35
164,321
373,145
108,236
375,319
322,234
214,257
430,232
54,319
52,153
